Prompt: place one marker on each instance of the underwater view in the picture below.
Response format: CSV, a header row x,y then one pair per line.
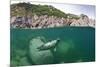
x,y
52,45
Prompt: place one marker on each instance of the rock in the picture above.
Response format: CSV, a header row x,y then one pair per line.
x,y
13,19
35,17
24,61
45,21
39,57
92,23
83,21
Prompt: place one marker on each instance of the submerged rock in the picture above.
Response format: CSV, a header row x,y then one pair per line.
x,y
24,61
39,57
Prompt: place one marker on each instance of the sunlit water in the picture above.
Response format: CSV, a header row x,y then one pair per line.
x,y
77,44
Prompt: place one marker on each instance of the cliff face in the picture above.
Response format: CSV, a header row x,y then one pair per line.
x,y
45,17
83,21
45,21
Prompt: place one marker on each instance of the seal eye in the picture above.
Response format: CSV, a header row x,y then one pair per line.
x,y
58,39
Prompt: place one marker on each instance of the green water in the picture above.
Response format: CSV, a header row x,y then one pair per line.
x,y
77,44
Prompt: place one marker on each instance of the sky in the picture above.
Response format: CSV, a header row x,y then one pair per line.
x,y
77,9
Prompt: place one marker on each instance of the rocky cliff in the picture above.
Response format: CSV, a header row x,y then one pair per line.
x,y
25,15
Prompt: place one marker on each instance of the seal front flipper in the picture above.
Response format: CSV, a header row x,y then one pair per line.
x,y
40,47
55,49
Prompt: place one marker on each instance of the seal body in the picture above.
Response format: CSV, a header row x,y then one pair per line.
x,y
49,45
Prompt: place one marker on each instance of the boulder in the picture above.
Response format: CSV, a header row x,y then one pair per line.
x,y
39,57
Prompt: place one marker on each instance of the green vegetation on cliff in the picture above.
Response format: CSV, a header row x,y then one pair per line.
x,y
24,9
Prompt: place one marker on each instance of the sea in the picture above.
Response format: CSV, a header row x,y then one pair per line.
x,y
77,44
